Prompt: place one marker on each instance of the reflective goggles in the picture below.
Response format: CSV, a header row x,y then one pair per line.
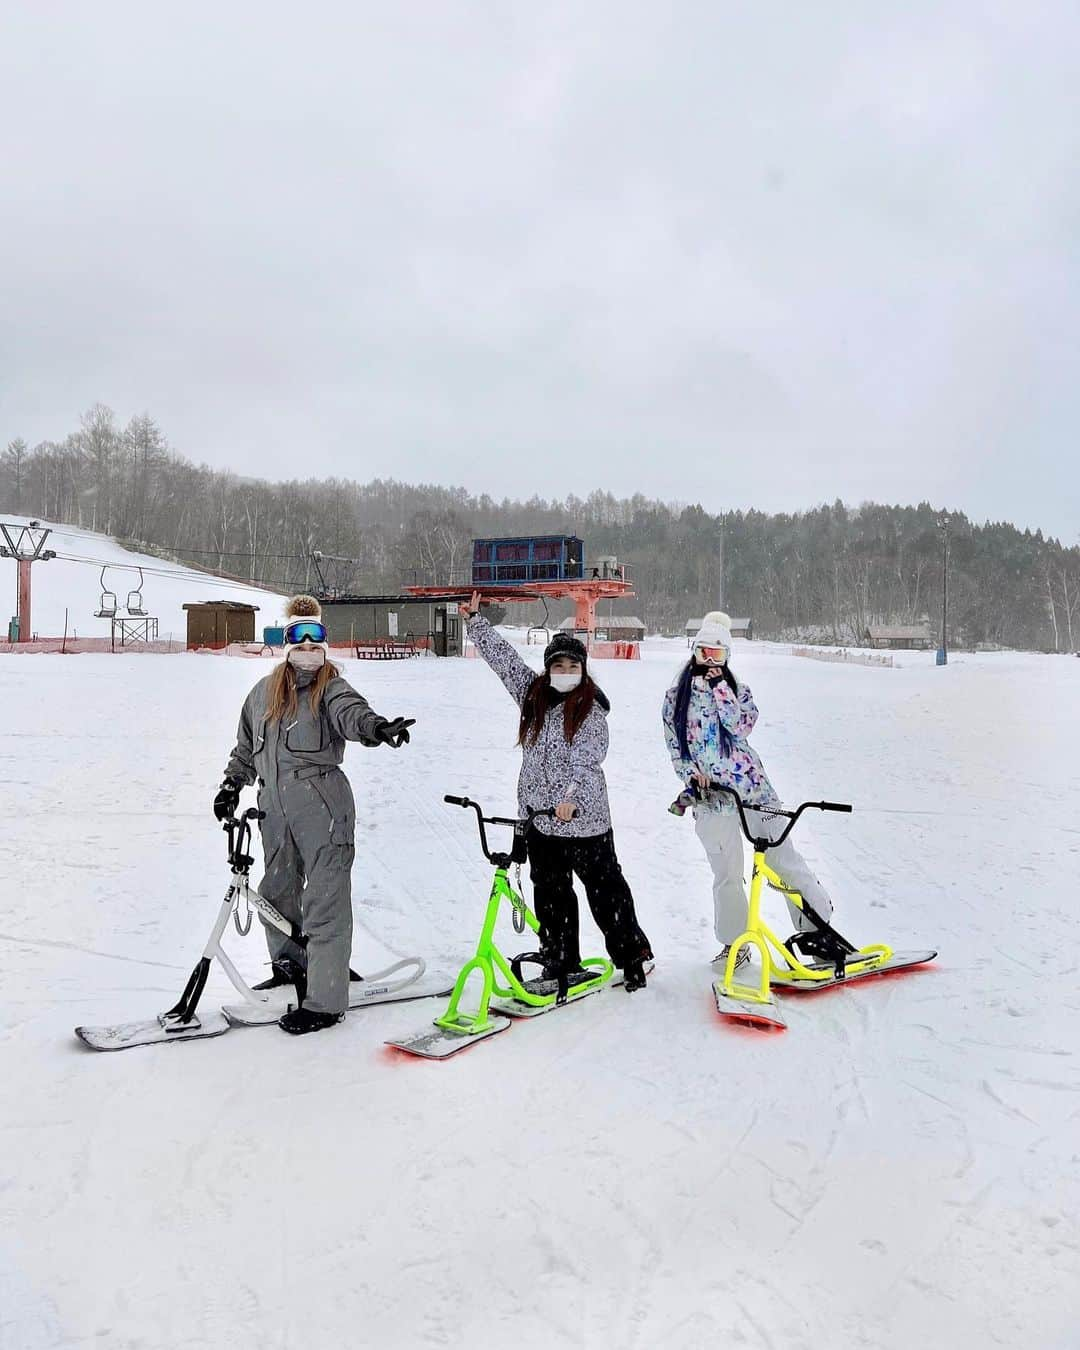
x,y
715,656
305,628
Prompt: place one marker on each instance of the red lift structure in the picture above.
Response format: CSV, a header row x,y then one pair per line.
x,y
26,544
547,567
586,595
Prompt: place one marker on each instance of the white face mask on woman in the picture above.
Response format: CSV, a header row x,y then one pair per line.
x,y
565,684
306,658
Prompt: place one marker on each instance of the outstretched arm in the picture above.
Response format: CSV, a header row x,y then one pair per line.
x,y
350,714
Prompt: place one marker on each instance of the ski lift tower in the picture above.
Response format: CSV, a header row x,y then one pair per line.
x,y
544,567
26,544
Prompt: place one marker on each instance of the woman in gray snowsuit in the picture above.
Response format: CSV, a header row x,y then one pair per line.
x,y
563,736
291,738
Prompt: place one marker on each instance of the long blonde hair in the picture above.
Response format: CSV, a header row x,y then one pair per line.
x,y
281,692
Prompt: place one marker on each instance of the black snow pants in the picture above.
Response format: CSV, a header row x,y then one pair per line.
x,y
552,864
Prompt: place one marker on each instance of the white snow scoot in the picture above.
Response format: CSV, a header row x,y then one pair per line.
x,y
183,1022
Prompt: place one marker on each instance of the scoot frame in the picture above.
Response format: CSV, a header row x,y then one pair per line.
x,y
183,1014
759,935
489,961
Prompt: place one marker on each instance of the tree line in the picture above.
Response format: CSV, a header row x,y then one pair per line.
x,y
822,574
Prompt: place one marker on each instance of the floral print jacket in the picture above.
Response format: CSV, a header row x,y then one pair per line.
x,y
553,770
713,706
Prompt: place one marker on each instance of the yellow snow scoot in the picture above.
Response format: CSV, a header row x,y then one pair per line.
x,y
808,962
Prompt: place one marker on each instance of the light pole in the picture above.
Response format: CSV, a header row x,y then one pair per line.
x,y
943,650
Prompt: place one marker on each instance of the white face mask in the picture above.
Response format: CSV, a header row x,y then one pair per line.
x,y
565,684
306,658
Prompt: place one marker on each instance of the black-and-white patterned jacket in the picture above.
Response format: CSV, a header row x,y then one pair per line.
x,y
553,769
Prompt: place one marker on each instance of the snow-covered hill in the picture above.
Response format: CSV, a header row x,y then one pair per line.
x,y
72,581
898,1169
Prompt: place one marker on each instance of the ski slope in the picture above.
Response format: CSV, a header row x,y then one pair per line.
x,y
900,1168
71,582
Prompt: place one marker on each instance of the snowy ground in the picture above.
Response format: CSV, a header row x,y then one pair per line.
x,y
69,586
901,1167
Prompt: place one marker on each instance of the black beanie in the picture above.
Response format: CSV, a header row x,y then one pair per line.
x,y
564,644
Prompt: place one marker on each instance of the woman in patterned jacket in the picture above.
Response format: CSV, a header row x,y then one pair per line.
x,y
563,736
708,715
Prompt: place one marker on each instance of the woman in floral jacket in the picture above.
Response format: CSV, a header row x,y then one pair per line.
x,y
563,736
708,715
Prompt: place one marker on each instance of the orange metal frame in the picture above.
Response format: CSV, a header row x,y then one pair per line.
x,y
586,595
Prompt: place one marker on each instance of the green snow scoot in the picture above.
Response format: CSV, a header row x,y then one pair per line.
x,y
504,994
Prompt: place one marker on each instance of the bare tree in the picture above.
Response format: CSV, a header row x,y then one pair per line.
x,y
14,466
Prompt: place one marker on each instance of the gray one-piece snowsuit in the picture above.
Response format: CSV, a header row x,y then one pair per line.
x,y
308,830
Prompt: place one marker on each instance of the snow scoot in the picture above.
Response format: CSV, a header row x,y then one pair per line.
x,y
182,1021
499,1002
831,958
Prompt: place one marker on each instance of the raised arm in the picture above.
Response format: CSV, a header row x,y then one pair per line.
x,y
515,673
748,713
729,709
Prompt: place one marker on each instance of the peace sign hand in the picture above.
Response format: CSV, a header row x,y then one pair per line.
x,y
468,608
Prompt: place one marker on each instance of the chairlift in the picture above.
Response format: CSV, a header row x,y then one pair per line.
x,y
107,608
540,632
135,600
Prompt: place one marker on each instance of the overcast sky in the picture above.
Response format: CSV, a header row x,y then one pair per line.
x,y
753,254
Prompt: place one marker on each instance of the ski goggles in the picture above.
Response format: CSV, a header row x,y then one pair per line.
x,y
307,628
713,655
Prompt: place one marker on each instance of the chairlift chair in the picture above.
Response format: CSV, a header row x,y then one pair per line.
x,y
107,608
135,600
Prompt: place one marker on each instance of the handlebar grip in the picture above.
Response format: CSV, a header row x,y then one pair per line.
x,y
834,806
458,801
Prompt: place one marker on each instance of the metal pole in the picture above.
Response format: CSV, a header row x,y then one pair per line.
x,y
943,650
23,607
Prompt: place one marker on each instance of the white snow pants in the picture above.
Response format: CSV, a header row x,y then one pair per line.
x,y
722,839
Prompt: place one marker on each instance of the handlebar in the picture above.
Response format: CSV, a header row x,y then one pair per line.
x,y
518,825
239,832
792,816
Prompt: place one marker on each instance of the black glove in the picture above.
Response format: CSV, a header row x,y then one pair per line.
x,y
228,799
717,673
395,733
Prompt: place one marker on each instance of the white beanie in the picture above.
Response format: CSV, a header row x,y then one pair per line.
x,y
304,607
715,631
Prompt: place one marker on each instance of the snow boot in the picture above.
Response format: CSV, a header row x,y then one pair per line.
x,y
633,976
302,1020
741,961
